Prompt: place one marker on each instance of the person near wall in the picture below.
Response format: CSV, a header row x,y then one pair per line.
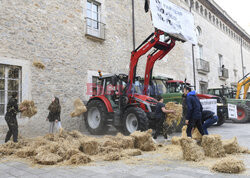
x,y
54,114
10,117
208,119
194,111
160,116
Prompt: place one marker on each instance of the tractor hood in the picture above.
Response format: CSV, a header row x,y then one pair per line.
x,y
145,98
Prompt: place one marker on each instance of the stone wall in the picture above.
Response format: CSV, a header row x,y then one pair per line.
x,y
53,32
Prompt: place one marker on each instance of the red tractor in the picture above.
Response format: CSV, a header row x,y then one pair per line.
x,y
118,102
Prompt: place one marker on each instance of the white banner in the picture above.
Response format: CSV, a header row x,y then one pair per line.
x,y
209,104
232,111
173,20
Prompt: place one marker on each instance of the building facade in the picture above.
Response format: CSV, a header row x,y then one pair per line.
x,y
75,39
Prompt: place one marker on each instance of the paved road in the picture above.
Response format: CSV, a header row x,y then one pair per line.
x,y
176,169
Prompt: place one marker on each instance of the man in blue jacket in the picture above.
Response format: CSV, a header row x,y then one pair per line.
x,y
194,112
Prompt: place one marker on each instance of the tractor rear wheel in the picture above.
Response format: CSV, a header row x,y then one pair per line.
x,y
96,117
134,119
243,113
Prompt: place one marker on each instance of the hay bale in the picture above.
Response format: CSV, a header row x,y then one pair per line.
x,y
31,108
195,133
191,151
38,64
124,142
176,140
144,141
112,157
231,146
176,117
89,146
47,158
79,108
79,158
212,146
229,165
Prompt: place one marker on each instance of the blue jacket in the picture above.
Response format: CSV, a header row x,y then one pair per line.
x,y
194,107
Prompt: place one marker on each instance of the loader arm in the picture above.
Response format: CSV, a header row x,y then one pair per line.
x,y
152,58
246,87
142,49
242,82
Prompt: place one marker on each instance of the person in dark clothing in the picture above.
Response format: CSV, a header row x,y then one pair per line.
x,y
208,119
54,114
194,112
10,117
160,113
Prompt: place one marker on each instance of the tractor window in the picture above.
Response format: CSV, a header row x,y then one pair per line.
x,y
160,87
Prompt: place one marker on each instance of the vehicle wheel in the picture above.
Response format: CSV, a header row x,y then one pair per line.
x,y
243,114
96,117
134,119
221,119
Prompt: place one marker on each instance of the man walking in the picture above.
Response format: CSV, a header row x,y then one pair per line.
x,y
10,117
194,112
208,119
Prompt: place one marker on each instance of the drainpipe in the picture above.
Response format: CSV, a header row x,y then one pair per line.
x,y
190,9
242,57
133,23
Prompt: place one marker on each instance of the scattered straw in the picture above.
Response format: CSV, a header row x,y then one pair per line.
x,y
143,140
79,108
231,146
195,133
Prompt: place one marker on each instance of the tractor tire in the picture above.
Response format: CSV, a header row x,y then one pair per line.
x,y
243,114
96,117
134,119
221,119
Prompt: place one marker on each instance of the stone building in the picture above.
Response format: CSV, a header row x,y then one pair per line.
x,y
74,39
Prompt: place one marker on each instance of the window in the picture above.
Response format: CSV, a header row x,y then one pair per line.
x,y
200,51
197,6
198,31
220,60
10,81
201,10
92,14
209,16
205,12
95,27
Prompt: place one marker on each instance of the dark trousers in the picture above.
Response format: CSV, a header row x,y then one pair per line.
x,y
158,126
13,130
192,124
208,123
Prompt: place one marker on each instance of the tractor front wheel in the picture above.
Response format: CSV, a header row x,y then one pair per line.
x,y
134,119
96,117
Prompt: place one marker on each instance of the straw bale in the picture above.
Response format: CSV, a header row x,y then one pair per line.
x,y
70,152
31,108
89,146
108,149
191,151
38,64
131,152
47,158
231,146
79,158
144,141
212,146
76,134
176,117
112,157
229,165
25,152
79,108
195,133
176,140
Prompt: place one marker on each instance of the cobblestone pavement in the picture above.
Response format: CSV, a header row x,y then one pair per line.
x,y
176,169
